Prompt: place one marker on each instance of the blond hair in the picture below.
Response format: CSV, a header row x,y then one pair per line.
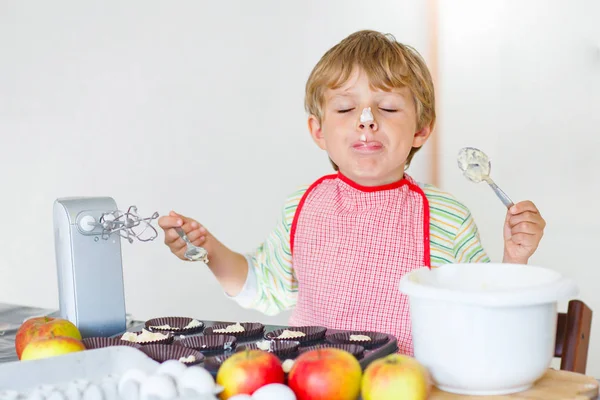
x,y
388,65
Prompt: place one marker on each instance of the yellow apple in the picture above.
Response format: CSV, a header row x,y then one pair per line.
x,y
43,327
396,376
50,347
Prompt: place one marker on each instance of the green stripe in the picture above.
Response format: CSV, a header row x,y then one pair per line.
x,y
436,257
444,199
447,214
438,244
433,226
463,242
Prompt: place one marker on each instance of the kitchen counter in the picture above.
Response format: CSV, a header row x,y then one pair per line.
x,y
13,315
11,318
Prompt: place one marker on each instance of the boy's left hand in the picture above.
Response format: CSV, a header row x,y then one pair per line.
x,y
523,231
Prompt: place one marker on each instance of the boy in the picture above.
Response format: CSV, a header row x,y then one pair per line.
x,y
344,242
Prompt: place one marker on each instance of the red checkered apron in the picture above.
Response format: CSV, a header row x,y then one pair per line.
x,y
350,247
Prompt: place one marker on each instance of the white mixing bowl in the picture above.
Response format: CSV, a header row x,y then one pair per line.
x,y
485,329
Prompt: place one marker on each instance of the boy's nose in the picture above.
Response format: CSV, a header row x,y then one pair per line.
x,y
367,120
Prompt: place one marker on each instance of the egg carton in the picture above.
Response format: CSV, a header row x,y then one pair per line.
x,y
110,373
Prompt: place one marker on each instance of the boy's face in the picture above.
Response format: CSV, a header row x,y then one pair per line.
x,y
370,153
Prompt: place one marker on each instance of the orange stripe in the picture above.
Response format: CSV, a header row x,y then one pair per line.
x,y
465,251
441,239
446,205
466,227
481,255
442,222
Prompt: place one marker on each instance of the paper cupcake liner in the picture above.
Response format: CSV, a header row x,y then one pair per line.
x,y
164,352
250,329
281,348
100,342
313,333
208,343
377,339
177,325
167,340
213,363
354,349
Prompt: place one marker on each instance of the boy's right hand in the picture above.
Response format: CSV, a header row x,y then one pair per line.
x,y
194,231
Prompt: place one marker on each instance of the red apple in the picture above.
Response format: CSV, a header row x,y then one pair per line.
x,y
396,377
246,371
43,327
50,347
325,374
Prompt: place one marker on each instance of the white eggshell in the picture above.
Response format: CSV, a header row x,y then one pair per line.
x,y
172,368
56,395
81,383
9,395
158,386
203,396
46,389
197,379
72,392
133,375
93,392
241,397
274,391
110,388
36,395
129,390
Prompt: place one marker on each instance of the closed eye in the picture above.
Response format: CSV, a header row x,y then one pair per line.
x,y
388,110
345,111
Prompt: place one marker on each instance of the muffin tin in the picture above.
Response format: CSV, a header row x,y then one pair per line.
x,y
217,347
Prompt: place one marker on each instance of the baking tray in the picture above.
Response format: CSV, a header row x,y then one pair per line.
x,y
369,355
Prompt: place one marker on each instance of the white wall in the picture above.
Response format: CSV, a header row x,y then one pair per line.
x,y
197,107
521,81
193,106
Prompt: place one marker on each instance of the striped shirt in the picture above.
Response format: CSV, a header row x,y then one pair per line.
x,y
272,287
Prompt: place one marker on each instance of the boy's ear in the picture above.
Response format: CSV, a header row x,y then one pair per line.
x,y
422,136
314,127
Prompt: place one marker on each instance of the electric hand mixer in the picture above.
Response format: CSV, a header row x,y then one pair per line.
x,y
87,235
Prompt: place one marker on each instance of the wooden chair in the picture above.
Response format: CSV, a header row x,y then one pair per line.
x,y
573,337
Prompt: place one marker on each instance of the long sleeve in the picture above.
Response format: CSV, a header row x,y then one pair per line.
x,y
454,236
467,244
271,284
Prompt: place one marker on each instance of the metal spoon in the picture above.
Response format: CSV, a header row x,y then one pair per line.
x,y
192,253
476,167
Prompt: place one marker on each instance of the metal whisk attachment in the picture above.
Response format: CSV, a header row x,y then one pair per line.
x,y
128,225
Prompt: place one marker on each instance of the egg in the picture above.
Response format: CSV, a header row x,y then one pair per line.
x,y
158,386
46,389
56,395
9,395
129,390
36,395
109,387
173,368
274,391
197,379
72,392
241,397
204,396
93,392
131,378
81,384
